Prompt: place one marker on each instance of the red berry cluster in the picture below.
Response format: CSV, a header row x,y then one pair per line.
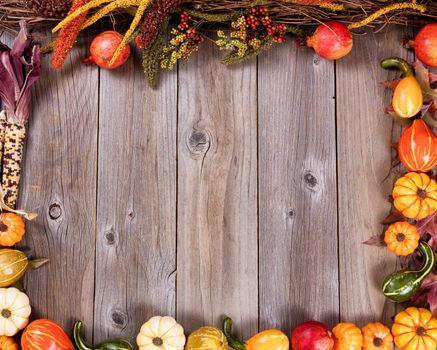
x,y
258,19
186,26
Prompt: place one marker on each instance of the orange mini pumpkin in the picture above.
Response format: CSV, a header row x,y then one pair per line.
x,y
376,336
415,329
402,238
415,195
347,336
8,343
11,229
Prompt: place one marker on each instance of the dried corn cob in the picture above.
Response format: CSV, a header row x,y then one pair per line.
x,y
11,163
15,89
2,132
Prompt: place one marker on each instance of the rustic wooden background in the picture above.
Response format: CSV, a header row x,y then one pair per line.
x,y
245,191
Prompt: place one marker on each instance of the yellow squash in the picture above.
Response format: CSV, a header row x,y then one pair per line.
x,y
272,339
207,338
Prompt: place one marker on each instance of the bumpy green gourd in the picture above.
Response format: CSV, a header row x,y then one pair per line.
x,y
402,285
116,344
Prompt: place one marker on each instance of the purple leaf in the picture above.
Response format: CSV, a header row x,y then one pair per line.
x,y
20,68
376,240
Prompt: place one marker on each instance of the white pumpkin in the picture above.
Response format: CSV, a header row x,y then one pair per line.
x,y
161,333
14,311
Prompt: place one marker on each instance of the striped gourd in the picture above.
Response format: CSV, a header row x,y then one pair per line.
x,y
14,264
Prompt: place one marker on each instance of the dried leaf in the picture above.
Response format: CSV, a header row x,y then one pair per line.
x,y
428,226
376,240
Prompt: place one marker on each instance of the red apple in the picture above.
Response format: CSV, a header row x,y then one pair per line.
x,y
312,335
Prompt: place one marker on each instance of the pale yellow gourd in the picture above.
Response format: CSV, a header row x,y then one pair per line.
x,y
14,311
161,332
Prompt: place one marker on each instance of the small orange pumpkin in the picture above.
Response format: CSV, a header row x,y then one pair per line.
x,y
415,195
376,336
347,336
8,343
415,329
11,229
402,238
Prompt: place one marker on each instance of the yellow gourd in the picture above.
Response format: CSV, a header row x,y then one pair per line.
x,y
207,338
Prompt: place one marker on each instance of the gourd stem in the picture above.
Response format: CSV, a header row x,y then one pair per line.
x,y
428,258
232,341
398,63
77,334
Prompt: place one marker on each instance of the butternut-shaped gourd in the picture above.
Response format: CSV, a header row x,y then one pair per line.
x,y
407,98
272,339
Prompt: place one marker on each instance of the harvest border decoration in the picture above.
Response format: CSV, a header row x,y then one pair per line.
x,y
410,230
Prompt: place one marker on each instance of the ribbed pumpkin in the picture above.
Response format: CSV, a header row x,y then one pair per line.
x,y
207,338
161,332
402,238
415,195
11,229
418,147
376,336
45,334
8,343
347,336
415,329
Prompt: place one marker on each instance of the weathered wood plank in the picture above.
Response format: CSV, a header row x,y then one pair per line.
x,y
217,193
59,183
365,135
297,189
136,235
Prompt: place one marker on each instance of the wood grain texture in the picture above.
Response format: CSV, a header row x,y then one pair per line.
x,y
297,189
59,184
136,236
217,193
365,134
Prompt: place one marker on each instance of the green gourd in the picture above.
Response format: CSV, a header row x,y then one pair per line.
x,y
115,344
402,285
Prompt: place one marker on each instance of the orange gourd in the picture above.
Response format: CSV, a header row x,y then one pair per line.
x,y
407,97
415,195
8,343
376,336
418,147
347,336
402,238
11,229
415,329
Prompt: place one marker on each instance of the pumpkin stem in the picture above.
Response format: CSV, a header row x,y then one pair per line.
x,y
77,334
398,63
232,341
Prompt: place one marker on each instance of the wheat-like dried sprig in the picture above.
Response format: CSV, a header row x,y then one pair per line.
x,y
282,11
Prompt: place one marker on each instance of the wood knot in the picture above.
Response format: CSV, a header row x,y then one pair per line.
x,y
291,213
110,237
119,318
199,141
311,181
55,211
